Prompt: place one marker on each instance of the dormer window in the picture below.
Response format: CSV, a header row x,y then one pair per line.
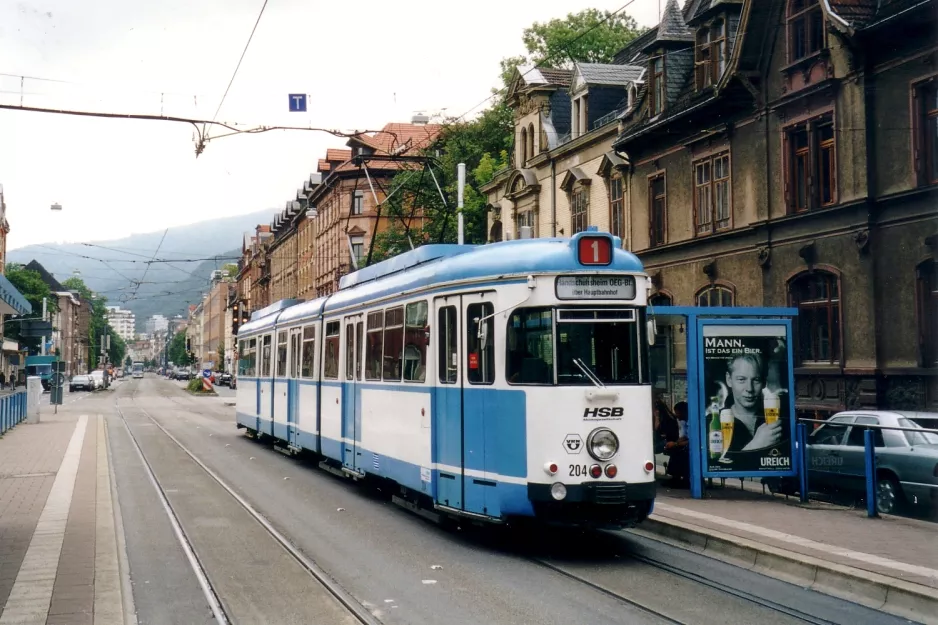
x,y
657,87
710,58
718,48
805,29
580,117
704,70
631,95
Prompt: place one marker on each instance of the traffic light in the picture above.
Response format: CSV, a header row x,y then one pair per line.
x,y
235,317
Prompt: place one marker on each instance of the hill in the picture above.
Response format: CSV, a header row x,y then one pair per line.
x,y
127,273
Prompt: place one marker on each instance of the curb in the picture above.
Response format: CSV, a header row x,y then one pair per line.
x,y
873,590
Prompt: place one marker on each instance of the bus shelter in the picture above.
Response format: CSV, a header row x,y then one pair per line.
x,y
733,367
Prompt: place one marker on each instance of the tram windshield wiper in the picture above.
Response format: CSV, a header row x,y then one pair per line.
x,y
588,373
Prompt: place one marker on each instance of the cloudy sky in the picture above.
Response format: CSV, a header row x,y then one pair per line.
x,y
364,63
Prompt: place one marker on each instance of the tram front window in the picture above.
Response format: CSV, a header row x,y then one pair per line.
x,y
601,343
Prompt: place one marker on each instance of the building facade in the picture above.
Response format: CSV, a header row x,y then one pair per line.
x,y
783,153
12,302
156,323
123,322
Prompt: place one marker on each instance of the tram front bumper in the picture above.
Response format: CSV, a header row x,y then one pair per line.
x,y
615,503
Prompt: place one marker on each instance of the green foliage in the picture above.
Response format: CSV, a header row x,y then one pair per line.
x,y
590,36
118,347
128,363
177,350
195,385
29,283
97,325
231,270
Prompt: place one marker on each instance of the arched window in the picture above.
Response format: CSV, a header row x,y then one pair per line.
x,y
926,296
816,295
530,140
523,147
661,299
716,295
495,234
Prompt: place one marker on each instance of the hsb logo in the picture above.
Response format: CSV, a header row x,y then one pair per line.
x,y
603,413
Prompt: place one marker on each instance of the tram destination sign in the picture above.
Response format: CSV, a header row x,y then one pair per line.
x,y
595,287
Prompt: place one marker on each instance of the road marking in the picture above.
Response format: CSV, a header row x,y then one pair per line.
x,y
32,591
803,542
108,602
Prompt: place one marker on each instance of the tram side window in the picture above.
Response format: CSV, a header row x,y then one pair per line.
x,y
393,344
480,361
415,342
330,363
358,341
265,357
530,346
309,350
448,332
349,351
373,345
247,359
282,355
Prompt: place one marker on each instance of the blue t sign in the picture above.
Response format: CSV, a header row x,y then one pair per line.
x,y
297,102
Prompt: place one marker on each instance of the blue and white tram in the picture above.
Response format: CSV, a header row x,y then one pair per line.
x,y
497,381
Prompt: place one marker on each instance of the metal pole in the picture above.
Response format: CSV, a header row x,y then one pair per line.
x,y
42,350
869,456
801,431
460,190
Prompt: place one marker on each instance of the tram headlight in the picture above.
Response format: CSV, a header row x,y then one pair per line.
x,y
558,491
602,444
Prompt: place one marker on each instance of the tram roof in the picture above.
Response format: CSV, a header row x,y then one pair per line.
x,y
431,265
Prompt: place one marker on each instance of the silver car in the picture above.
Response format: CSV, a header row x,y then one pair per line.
x,y
906,462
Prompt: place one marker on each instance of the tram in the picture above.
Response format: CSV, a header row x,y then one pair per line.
x,y
497,382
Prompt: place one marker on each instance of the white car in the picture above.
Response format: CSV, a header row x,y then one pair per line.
x,y
98,378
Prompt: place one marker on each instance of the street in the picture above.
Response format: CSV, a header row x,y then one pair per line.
x,y
373,554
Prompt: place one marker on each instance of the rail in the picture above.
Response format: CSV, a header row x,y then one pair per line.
x,y
12,410
870,460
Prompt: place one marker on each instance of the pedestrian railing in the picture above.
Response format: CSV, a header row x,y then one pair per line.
x,y
843,460
12,410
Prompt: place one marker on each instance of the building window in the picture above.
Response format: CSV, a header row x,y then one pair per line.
x,y
358,249
580,117
358,202
805,29
530,140
817,297
925,95
926,294
661,299
524,146
657,210
812,165
704,70
579,209
525,219
712,193
617,207
657,85
716,295
718,49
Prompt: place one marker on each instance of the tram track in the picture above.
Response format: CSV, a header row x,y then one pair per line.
x,y
352,606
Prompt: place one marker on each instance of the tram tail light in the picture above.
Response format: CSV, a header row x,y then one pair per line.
x,y
649,466
551,468
611,471
596,471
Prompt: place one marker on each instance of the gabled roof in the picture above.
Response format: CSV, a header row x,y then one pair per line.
x,y
323,165
859,14
696,9
54,285
634,51
603,74
547,76
335,155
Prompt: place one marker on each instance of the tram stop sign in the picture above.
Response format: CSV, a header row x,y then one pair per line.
x,y
206,373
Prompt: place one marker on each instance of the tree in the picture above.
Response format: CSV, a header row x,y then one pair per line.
x,y
231,270
590,36
32,287
128,363
177,350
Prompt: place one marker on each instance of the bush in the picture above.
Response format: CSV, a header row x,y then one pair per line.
x,y
195,385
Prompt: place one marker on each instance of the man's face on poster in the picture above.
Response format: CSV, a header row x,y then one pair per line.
x,y
746,382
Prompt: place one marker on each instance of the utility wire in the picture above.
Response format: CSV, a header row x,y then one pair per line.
x,y
163,238
238,66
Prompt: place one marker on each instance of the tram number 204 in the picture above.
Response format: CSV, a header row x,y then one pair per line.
x,y
578,470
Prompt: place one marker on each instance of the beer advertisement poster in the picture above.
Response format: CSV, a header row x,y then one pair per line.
x,y
746,403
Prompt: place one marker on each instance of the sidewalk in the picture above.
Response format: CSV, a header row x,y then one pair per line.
x,y
58,544
890,563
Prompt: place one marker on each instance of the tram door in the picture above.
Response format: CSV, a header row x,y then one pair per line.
x,y
465,370
293,385
351,391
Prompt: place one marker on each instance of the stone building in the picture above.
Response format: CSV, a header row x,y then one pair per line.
x,y
784,153
759,153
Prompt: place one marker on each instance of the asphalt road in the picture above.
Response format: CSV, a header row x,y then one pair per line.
x,y
401,567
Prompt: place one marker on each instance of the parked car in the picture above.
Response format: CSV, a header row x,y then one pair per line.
x,y
98,378
224,379
83,382
906,461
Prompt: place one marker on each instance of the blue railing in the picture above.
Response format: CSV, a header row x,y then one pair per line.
x,y
12,410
